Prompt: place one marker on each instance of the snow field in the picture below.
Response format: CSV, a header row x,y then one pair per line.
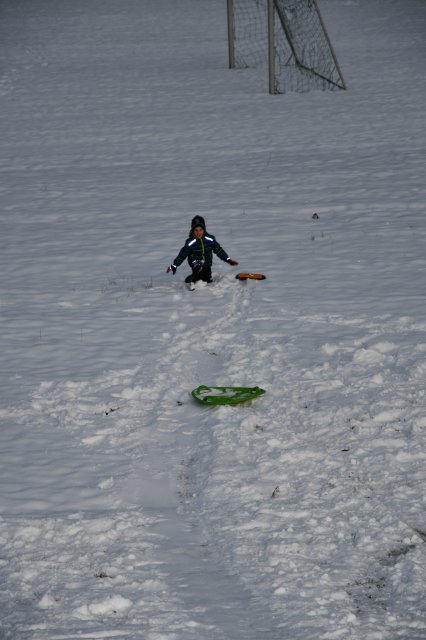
x,y
127,510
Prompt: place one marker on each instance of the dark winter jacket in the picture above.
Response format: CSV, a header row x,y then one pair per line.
x,y
201,249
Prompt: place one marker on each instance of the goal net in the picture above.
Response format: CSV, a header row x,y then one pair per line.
x,y
289,38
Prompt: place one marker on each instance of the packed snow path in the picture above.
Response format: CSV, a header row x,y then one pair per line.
x,y
152,554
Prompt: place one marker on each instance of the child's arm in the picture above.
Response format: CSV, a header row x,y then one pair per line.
x,y
221,253
183,253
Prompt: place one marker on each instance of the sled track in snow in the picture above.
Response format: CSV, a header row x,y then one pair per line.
x,y
147,563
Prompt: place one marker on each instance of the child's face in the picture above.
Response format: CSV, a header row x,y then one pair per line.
x,y
198,232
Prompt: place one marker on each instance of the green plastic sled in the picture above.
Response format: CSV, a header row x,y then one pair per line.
x,y
225,395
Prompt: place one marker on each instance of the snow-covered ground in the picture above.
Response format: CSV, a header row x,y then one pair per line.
x,y
127,510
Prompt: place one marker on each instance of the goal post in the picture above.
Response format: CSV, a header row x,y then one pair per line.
x,y
271,47
287,36
231,33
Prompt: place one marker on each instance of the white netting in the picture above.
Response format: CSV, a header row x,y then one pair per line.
x,y
250,33
304,58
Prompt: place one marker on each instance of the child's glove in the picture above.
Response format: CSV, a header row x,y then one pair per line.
x,y
232,262
171,268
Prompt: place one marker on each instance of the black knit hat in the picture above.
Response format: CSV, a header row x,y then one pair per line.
x,y
198,221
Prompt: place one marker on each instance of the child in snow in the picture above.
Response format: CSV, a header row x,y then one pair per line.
x,y
199,249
